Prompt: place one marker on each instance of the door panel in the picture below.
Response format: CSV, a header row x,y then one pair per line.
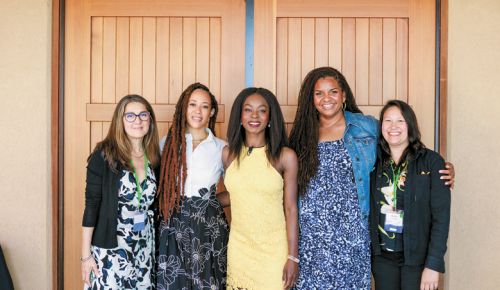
x,y
385,49
151,48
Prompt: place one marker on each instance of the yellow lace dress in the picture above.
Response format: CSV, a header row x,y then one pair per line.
x,y
257,249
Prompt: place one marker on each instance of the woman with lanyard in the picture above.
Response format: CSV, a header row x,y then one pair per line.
x,y
410,206
118,231
336,147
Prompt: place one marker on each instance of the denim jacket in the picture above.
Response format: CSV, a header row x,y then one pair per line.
x,y
360,138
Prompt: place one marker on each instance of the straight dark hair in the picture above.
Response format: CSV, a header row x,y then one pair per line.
x,y
304,136
415,143
276,137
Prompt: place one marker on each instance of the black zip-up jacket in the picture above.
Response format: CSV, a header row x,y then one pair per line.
x,y
101,201
426,211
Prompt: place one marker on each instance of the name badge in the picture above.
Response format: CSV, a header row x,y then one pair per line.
x,y
139,221
394,221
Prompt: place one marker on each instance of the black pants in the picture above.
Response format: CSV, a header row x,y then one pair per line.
x,y
390,273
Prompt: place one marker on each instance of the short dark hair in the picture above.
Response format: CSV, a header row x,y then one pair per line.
x,y
415,143
276,137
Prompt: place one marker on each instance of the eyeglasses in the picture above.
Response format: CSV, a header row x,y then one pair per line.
x,y
143,116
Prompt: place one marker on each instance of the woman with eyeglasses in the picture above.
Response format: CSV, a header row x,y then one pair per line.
x,y
118,233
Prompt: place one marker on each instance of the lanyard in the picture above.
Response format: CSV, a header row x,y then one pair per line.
x,y
395,181
137,183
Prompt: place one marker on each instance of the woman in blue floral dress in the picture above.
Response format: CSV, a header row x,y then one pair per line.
x,y
336,148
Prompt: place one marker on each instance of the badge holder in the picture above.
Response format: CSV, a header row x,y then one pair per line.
x,y
139,222
394,221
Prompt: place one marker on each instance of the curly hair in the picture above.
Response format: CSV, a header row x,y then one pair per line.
x,y
304,135
173,168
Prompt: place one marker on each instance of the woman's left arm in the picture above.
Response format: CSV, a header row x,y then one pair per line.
x,y
440,203
290,167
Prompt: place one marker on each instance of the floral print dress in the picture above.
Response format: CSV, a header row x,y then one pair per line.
x,y
130,264
334,243
193,241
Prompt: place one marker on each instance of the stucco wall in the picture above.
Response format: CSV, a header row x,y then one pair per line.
x,y
474,143
25,147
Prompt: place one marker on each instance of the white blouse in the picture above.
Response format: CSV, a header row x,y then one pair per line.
x,y
204,164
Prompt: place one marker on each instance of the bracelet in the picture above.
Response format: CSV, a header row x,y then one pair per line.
x,y
295,259
83,260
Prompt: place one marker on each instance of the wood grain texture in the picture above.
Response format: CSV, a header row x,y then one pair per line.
x,y
376,62
203,50
294,59
153,54
162,59
362,61
282,60
109,60
402,59
77,140
265,44
149,59
421,66
343,8
188,51
321,42
349,52
176,57
307,42
389,59
135,56
122,56
215,58
55,130
96,60
335,43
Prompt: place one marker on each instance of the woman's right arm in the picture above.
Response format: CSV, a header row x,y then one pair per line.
x,y
88,262
93,196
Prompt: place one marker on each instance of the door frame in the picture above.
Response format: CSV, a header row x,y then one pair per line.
x,y
57,121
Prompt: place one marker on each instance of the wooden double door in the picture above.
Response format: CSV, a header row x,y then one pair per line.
x,y
154,48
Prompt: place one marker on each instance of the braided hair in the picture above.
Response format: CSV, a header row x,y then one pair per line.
x,y
173,168
304,136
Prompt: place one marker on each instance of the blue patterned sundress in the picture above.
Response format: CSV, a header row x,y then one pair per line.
x,y
130,265
334,246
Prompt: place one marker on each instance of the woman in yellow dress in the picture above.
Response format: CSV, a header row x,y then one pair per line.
x,y
261,177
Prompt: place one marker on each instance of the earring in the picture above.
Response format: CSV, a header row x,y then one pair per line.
x,y
343,106
269,125
241,124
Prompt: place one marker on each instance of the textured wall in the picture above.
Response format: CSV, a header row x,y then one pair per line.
x,y
25,134
474,143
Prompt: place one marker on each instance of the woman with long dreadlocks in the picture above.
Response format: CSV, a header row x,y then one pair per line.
x,y
336,148
193,229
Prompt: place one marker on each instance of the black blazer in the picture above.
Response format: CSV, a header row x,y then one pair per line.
x,y
101,201
427,211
